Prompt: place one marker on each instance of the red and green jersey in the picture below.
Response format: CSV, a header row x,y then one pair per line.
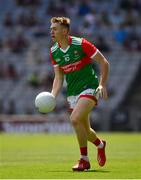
x,y
76,63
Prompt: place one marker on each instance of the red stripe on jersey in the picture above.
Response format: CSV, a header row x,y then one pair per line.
x,y
52,60
76,66
88,47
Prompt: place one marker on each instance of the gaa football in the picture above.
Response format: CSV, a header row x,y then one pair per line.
x,y
45,102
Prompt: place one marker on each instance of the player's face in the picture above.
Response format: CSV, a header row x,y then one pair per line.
x,y
57,32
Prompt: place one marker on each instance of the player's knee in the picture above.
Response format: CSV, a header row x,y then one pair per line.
x,y
74,119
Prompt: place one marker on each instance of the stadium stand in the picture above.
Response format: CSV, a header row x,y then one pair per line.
x,y
25,70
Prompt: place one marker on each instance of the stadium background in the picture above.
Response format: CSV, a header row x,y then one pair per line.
x,y
114,26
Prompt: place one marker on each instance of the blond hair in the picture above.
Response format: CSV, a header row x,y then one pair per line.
x,y
64,21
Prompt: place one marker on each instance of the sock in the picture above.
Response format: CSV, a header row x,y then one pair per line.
x,y
85,158
98,143
83,151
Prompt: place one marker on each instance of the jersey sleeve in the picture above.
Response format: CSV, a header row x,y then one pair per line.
x,y
89,49
52,60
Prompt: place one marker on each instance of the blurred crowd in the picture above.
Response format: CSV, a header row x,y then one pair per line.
x,y
25,39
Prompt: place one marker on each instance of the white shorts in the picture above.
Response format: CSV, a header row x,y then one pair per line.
x,y
88,93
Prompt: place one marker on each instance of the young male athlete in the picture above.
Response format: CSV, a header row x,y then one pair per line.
x,y
72,58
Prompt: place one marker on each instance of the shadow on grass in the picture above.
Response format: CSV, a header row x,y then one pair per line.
x,y
89,171
98,171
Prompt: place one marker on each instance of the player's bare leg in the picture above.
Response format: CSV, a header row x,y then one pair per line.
x,y
80,133
80,112
83,163
81,124
92,137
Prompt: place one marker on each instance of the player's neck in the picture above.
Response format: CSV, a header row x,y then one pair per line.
x,y
64,43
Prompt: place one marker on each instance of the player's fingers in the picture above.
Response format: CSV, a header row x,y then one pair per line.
x,y
100,93
105,95
97,89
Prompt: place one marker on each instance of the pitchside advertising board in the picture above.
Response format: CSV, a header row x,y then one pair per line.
x,y
31,123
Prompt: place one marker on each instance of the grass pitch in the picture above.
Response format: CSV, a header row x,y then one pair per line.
x,y
51,156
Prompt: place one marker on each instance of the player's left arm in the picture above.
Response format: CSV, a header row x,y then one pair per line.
x,y
92,52
104,71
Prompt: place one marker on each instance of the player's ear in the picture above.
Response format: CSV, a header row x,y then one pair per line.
x,y
65,31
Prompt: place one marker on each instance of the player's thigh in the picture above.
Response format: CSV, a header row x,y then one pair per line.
x,y
82,109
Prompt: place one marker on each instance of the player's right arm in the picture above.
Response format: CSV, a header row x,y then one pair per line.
x,y
58,81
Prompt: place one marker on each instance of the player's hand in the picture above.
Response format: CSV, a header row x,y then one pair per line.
x,y
101,92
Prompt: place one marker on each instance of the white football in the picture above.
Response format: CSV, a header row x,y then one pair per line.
x,y
45,102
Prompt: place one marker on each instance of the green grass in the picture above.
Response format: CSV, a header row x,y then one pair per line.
x,y
48,156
